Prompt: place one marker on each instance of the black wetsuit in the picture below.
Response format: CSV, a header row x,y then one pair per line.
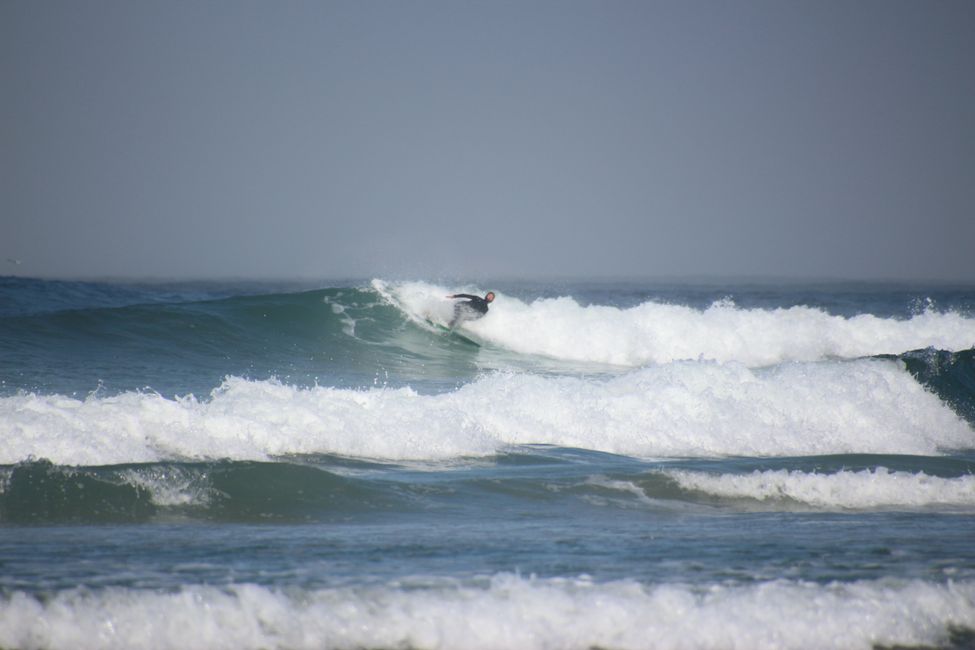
x,y
475,303
475,307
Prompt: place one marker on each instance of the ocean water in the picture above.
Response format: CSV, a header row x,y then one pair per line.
x,y
591,465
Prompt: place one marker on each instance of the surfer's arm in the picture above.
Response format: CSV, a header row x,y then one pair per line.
x,y
463,295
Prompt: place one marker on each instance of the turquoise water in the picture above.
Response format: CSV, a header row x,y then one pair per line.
x,y
615,465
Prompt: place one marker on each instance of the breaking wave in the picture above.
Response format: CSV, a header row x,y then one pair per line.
x,y
654,332
501,611
678,409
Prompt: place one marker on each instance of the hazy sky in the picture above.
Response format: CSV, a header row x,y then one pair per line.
x,y
425,139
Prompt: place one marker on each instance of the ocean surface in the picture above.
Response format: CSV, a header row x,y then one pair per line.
x,y
591,465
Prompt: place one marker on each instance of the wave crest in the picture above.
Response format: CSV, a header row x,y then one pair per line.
x,y
865,489
680,409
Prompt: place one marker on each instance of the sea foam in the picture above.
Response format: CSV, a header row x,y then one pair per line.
x,y
504,611
653,332
677,409
877,488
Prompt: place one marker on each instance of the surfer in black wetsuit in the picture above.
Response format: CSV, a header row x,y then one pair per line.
x,y
474,308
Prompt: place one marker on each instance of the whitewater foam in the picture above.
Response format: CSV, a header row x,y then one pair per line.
x,y
876,488
678,409
171,485
506,611
654,332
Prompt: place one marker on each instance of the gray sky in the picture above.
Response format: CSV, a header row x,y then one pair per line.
x,y
430,139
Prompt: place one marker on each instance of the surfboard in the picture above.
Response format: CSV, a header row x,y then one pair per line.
x,y
443,329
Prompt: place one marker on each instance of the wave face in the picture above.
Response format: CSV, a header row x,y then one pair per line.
x,y
41,492
949,375
331,336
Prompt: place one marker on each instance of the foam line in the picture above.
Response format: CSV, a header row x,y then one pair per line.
x,y
505,611
877,488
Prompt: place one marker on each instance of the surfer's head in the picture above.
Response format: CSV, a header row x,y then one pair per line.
x,y
489,296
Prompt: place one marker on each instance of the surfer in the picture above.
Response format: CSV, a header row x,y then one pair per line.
x,y
474,308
